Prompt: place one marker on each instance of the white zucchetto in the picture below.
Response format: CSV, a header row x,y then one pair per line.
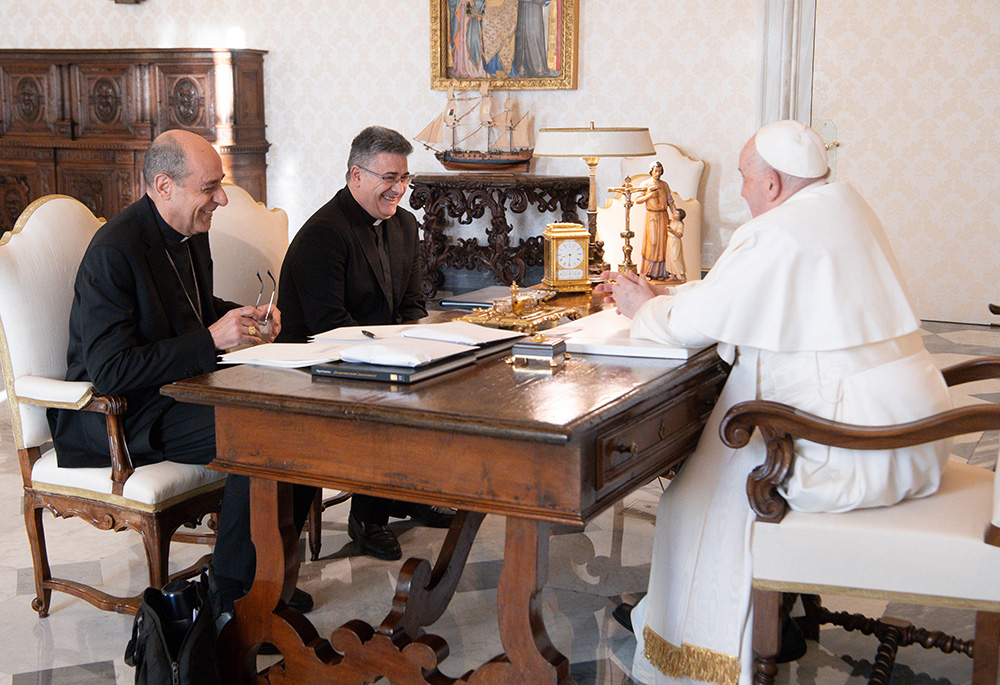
x,y
792,148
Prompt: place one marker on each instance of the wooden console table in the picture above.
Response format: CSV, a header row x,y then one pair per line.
x,y
468,196
77,122
536,448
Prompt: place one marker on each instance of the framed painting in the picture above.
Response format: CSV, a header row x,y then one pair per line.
x,y
509,44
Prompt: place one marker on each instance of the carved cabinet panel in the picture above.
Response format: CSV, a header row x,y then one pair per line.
x,y
30,95
186,97
77,122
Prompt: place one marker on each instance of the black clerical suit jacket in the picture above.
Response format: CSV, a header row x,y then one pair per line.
x,y
332,277
129,335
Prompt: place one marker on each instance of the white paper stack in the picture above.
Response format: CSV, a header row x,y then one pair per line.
x,y
400,351
286,355
609,333
461,332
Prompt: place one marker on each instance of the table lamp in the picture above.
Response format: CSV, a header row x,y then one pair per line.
x,y
592,143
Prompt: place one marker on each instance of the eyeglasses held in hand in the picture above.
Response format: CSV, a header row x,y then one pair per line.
x,y
391,179
260,295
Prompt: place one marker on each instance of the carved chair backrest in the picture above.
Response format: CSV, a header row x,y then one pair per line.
x,y
680,172
246,237
38,263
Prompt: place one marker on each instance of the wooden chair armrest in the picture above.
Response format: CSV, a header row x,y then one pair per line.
x,y
780,423
972,370
113,407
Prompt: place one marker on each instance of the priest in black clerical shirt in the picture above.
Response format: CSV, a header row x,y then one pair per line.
x,y
355,262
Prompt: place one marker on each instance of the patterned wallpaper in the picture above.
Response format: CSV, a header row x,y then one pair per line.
x,y
918,137
333,68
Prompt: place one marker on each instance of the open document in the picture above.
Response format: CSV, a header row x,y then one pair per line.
x,y
286,355
607,332
483,339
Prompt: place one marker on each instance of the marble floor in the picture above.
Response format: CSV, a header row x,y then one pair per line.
x,y
590,572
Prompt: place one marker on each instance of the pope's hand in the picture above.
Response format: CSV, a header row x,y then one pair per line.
x,y
627,291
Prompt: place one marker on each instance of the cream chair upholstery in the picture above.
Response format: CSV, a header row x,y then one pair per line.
x,y
680,172
38,264
939,550
246,238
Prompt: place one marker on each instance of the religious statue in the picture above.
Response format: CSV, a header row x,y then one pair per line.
x,y
662,252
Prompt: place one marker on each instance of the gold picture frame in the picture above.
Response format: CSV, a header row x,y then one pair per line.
x,y
493,27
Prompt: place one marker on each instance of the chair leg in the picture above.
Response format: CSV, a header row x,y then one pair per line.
x,y
314,524
156,540
766,635
984,660
39,555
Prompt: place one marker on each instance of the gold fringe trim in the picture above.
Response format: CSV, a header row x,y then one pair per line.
x,y
688,661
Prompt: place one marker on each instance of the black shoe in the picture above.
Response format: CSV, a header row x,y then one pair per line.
x,y
374,539
623,614
429,515
793,642
301,601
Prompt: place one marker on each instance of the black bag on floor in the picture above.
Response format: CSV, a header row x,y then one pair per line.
x,y
173,635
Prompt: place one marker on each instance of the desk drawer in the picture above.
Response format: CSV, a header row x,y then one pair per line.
x,y
653,440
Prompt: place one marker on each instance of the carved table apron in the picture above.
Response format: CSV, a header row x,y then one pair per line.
x,y
466,197
535,448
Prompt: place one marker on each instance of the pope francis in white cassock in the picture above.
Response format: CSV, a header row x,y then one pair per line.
x,y
808,305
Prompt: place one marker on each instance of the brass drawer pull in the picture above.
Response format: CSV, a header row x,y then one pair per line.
x,y
633,448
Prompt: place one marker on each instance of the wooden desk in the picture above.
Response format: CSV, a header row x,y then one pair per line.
x,y
537,448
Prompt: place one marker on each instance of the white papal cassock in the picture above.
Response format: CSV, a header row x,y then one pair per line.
x,y
808,304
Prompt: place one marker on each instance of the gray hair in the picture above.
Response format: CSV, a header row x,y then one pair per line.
x,y
166,155
373,141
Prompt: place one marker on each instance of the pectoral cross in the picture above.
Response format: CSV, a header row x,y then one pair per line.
x,y
626,189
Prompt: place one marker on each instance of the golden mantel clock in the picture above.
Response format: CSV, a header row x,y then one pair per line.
x,y
566,257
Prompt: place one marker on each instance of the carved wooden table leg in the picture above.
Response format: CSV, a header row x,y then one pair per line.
x,y
422,594
529,656
261,616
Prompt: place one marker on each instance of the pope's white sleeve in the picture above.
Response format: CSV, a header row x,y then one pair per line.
x,y
657,320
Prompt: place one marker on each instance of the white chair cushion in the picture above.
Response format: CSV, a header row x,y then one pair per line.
x,y
930,546
150,488
71,393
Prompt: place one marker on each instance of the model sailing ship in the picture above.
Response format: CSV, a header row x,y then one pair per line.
x,y
506,148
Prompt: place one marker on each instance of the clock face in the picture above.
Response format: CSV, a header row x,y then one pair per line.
x,y
569,254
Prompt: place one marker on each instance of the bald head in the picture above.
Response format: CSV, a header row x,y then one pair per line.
x,y
183,175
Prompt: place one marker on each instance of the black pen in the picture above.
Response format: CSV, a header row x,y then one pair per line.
x,y
368,334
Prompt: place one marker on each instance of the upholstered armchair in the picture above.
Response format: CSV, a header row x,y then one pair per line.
x,y
38,264
940,550
246,238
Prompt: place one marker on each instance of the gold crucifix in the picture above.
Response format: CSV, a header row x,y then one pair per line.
x,y
626,189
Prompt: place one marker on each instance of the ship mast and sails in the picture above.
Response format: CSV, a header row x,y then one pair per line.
x,y
507,145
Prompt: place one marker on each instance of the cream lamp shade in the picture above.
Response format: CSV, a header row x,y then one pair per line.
x,y
593,142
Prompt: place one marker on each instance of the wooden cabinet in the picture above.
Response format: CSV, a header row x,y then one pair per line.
x,y
77,122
